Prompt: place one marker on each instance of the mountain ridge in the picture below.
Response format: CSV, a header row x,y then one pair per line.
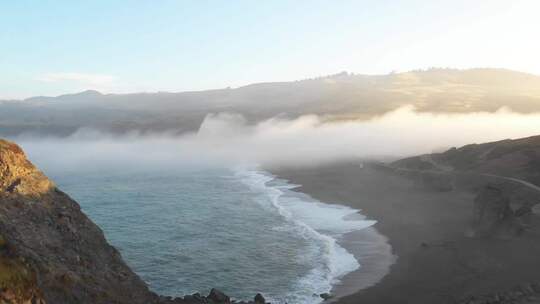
x,y
331,76
336,97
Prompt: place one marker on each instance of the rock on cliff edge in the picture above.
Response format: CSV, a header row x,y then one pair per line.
x,y
50,252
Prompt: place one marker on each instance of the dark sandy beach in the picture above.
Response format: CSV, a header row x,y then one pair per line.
x,y
436,261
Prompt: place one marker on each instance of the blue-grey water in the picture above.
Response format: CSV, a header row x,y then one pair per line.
x,y
242,231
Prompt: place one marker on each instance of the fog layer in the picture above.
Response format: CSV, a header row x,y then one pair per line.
x,y
226,139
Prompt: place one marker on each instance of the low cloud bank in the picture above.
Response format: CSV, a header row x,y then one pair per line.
x,y
226,139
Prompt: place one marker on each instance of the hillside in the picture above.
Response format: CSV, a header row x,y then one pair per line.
x,y
519,158
340,96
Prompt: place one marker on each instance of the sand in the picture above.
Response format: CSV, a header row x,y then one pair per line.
x,y
436,262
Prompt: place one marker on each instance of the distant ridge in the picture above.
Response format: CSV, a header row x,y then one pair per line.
x,y
343,74
339,96
74,96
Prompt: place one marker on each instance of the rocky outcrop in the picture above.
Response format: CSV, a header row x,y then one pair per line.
x,y
51,253
214,297
493,215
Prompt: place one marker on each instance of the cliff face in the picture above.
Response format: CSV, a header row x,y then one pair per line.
x,y
50,252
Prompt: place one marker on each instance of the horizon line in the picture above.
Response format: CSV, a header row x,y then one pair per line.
x,y
347,73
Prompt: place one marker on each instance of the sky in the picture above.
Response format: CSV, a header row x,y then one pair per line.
x,y
58,47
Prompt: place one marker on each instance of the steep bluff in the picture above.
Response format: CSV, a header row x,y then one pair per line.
x,y
50,252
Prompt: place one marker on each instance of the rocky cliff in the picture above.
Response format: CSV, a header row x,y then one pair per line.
x,y
51,253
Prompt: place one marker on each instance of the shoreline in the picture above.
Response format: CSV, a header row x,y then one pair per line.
x,y
372,250
437,262
366,245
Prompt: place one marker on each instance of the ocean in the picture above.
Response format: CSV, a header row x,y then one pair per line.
x,y
241,230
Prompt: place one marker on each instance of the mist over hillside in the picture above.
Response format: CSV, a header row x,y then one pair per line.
x,y
338,97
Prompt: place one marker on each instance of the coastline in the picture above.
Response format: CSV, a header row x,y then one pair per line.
x,y
369,247
436,262
358,254
373,252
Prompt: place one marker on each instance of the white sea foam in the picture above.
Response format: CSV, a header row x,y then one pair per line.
x,y
322,224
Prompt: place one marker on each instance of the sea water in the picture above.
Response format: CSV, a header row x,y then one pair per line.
x,y
241,230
